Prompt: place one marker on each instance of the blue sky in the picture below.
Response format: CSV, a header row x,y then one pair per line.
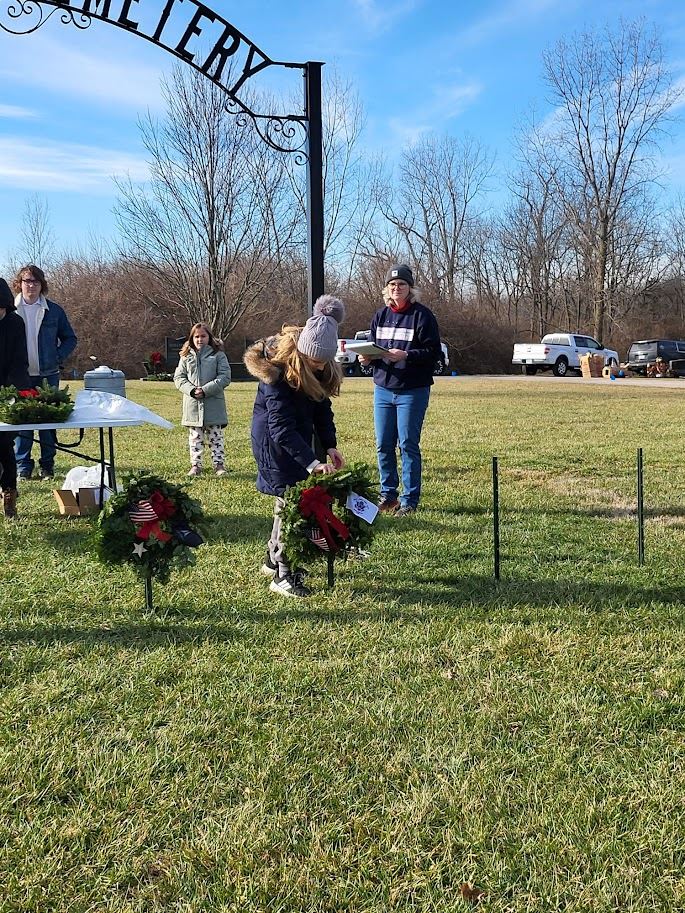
x,y
69,99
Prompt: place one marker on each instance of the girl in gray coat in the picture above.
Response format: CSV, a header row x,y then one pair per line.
x,y
202,375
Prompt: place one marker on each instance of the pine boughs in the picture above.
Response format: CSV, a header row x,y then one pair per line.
x,y
296,529
31,407
163,539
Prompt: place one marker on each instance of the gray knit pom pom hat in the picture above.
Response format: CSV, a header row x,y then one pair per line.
x,y
319,337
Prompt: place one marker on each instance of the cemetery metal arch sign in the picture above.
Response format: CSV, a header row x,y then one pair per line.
x,y
185,28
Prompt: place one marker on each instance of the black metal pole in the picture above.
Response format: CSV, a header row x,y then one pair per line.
x,y
330,560
103,467
312,96
148,593
112,471
640,510
495,514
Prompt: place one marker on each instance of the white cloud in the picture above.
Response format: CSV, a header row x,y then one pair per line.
x,y
379,16
672,172
446,103
509,13
679,86
102,76
15,112
450,101
552,122
65,167
406,132
556,119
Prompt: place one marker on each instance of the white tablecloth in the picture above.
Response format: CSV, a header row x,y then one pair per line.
x,y
96,409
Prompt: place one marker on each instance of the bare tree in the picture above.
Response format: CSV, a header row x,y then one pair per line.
x,y
350,179
436,189
613,94
36,233
213,221
675,236
533,231
484,265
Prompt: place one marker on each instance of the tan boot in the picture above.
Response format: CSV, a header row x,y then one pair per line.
x,y
9,503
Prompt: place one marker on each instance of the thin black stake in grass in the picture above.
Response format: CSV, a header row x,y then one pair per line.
x,y
640,510
149,606
330,558
495,514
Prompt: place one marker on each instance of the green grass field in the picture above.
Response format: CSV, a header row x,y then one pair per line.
x,y
374,747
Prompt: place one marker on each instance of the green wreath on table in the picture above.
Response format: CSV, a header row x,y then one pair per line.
x,y
151,525
316,520
40,404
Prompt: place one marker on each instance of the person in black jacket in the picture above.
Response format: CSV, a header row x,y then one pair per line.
x,y
14,365
409,333
297,376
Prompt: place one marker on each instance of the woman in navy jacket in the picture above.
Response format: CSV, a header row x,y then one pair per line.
x,y
409,333
297,376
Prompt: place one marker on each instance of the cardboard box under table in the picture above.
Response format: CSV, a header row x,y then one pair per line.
x,y
105,458
591,365
104,411
85,503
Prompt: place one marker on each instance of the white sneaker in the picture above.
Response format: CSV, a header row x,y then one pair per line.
x,y
290,585
194,471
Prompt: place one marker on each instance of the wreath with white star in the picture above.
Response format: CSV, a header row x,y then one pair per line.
x,y
152,525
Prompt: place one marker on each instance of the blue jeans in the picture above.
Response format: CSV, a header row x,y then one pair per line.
x,y
398,419
24,441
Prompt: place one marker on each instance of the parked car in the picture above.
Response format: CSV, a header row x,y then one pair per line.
x,y
559,352
351,364
644,351
366,370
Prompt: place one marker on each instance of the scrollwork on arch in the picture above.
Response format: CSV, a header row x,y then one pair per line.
x,y
35,16
282,132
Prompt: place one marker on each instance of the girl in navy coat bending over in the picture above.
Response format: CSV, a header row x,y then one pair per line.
x,y
297,375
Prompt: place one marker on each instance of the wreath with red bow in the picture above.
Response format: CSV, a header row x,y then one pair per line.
x,y
40,404
316,520
152,525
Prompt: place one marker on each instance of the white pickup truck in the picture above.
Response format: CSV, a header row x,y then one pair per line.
x,y
559,352
351,365
348,360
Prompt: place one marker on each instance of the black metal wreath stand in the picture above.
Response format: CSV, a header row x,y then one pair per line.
x,y
149,605
330,560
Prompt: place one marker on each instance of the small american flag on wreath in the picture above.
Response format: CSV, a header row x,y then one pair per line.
x,y
316,536
143,512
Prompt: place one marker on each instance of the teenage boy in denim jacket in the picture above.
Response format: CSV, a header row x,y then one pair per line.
x,y
50,340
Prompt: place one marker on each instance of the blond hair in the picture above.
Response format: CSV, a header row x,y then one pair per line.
x,y
414,294
297,370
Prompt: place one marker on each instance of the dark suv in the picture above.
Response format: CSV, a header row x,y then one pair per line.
x,y
648,350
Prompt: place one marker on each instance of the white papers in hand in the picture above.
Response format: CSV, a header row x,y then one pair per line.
x,y
363,347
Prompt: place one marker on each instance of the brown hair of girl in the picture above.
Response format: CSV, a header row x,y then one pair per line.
x,y
189,344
